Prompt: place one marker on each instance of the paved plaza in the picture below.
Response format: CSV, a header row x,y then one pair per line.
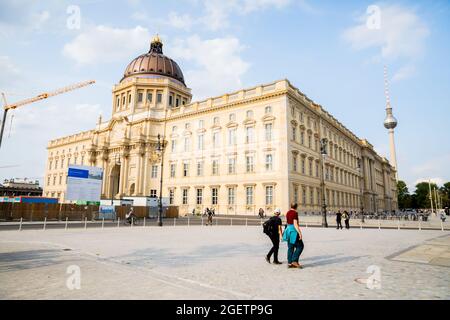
x,y
222,262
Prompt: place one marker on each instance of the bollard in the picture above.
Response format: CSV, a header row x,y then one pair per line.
x,y
85,223
202,220
188,222
360,225
379,224
442,226
398,224
174,222
45,222
144,222
420,226
65,227
20,226
118,222
132,222
103,223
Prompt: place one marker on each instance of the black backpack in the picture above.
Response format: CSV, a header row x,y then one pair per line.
x,y
268,227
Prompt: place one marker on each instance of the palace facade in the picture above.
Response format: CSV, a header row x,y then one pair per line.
x,y
255,148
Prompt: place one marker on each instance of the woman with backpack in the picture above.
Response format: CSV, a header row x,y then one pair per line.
x,y
293,236
272,228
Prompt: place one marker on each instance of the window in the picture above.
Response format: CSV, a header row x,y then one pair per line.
x,y
200,168
215,167
60,180
231,165
311,195
50,165
153,193
159,98
268,110
62,163
172,170
302,138
117,103
187,144
174,129
294,133
249,195
56,164
82,159
249,134
250,164
149,97
294,163
269,162
216,121
170,100
309,141
303,195
232,117
171,196
185,196
317,171
48,180
200,140
129,98
268,131
185,169
232,137
269,195
310,167
231,196
177,102
201,124
140,96
154,171
215,139
249,114
214,195
295,194
199,196
303,166
174,146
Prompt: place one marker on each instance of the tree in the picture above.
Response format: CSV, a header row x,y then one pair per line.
x,y
445,194
404,198
422,194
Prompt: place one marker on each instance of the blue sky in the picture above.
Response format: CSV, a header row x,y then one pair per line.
x,y
325,48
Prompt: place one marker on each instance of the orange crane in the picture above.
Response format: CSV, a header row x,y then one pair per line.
x,y
39,97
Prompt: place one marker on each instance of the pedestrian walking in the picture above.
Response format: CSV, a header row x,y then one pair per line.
x,y
210,215
293,236
261,213
346,217
338,219
272,228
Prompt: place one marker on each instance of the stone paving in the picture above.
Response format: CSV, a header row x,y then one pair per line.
x,y
221,263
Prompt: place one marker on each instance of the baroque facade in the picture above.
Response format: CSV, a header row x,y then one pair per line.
x,y
254,148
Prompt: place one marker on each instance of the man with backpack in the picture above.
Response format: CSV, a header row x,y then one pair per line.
x,y
272,228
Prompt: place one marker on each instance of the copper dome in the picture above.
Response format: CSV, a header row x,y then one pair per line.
x,y
154,62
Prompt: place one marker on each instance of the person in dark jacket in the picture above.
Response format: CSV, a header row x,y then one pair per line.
x,y
346,217
338,219
275,236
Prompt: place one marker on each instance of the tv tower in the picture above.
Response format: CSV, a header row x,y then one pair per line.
x,y
390,123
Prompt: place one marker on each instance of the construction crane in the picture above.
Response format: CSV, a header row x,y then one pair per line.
x,y
39,97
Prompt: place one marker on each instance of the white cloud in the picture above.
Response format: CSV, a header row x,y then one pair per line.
x,y
39,19
404,73
218,65
106,44
402,33
9,72
184,21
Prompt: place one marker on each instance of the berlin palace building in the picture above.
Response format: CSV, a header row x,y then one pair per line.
x,y
255,148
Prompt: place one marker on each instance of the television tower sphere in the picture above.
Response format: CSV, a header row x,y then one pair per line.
x,y
390,122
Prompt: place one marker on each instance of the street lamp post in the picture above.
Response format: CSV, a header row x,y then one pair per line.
x,y
361,182
323,153
161,148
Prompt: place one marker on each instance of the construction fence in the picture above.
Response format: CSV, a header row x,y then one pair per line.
x,y
10,211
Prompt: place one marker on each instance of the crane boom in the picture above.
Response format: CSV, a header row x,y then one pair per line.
x,y
41,96
46,95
